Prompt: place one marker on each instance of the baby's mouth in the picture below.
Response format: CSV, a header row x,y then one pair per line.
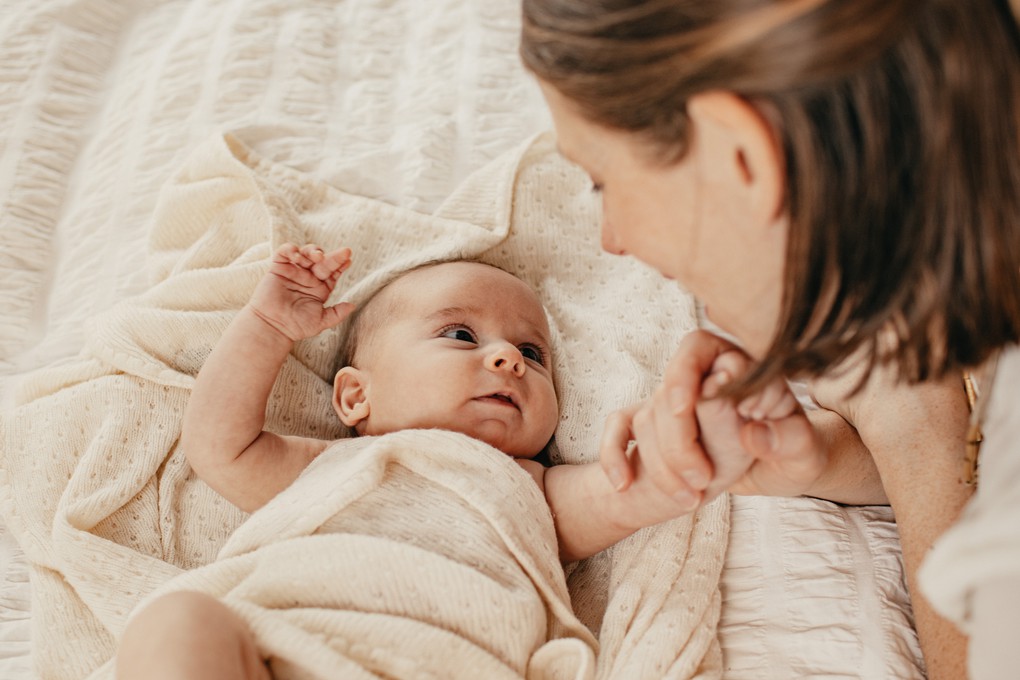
x,y
502,397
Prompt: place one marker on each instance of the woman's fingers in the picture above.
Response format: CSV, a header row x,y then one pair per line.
x,y
665,427
682,467
613,448
691,362
703,361
720,437
766,444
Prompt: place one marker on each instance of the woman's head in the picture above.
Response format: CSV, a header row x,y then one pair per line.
x,y
895,133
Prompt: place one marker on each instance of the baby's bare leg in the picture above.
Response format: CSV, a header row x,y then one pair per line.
x,y
189,635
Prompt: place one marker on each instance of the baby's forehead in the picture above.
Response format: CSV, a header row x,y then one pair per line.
x,y
468,285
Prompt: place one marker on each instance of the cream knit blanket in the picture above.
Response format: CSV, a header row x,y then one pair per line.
x,y
108,511
418,554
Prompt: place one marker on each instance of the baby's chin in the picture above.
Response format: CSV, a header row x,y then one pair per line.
x,y
496,437
505,444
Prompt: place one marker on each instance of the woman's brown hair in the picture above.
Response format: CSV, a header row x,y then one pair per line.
x,y
898,121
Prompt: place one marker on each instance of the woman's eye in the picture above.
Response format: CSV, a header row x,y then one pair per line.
x,y
532,353
459,333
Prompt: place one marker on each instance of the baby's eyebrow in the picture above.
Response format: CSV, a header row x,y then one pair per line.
x,y
448,312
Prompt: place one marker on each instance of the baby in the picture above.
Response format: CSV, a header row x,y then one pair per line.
x,y
460,346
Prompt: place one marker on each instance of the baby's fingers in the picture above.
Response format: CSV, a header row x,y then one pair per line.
x,y
790,456
337,313
730,364
614,447
322,265
775,401
289,253
340,258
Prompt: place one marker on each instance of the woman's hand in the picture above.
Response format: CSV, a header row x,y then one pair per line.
x,y
692,446
290,297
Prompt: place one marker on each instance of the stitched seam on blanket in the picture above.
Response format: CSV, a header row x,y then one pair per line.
x,y
870,611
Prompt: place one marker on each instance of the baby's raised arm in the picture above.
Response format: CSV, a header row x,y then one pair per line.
x,y
222,433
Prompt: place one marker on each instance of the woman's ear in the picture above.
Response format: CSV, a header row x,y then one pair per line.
x,y
350,396
741,149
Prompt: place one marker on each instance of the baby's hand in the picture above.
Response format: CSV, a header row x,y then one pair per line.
x,y
721,423
290,297
690,447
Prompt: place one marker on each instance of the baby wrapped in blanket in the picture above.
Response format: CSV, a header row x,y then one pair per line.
x,y
111,514
423,547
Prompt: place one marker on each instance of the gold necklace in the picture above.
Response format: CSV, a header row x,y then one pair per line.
x,y
978,394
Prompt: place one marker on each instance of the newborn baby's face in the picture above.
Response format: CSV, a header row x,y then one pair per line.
x,y
466,348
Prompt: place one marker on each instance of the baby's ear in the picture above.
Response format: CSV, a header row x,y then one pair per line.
x,y
350,398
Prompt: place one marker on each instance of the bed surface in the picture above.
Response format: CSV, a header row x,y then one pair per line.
x,y
398,100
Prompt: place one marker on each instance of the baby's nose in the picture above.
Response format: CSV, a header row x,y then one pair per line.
x,y
506,357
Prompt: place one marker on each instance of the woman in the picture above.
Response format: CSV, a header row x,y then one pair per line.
x,y
837,180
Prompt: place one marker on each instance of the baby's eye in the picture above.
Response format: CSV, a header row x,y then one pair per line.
x,y
532,353
462,333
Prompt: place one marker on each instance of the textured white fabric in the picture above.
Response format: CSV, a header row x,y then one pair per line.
x,y
984,545
812,589
15,609
111,511
102,100
418,554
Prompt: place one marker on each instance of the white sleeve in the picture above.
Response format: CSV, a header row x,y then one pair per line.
x,y
994,621
980,554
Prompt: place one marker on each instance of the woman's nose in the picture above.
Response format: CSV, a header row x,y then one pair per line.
x,y
505,357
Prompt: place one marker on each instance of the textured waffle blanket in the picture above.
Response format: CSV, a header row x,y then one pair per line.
x,y
418,554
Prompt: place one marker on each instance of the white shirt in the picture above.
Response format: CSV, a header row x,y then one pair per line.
x,y
981,552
